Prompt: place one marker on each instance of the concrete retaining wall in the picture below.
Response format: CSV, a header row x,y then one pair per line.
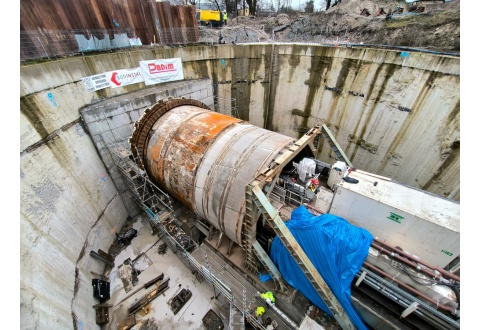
x,y
395,114
69,206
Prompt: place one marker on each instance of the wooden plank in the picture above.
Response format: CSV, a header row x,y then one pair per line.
x,y
155,280
99,275
102,313
127,323
106,255
101,258
149,296
102,305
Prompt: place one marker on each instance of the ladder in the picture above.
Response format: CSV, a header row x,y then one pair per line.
x,y
340,155
269,213
248,231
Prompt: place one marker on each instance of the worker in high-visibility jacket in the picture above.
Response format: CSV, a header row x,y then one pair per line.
x,y
225,17
268,297
260,311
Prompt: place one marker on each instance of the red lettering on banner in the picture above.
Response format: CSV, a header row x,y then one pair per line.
x,y
159,68
114,79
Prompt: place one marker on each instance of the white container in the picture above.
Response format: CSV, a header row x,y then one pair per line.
x,y
419,222
337,172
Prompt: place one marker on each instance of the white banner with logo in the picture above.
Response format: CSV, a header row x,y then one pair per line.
x,y
96,82
119,78
150,72
163,70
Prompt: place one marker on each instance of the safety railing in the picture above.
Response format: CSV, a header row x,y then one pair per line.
x,y
40,44
48,44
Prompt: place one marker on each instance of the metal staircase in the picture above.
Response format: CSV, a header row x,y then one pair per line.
x,y
267,263
248,232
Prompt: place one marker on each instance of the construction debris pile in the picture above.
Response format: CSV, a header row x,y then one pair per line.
x,y
433,26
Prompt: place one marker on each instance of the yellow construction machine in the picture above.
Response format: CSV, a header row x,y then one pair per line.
x,y
209,14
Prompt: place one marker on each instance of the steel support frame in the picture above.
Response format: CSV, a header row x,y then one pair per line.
x,y
341,154
302,260
269,176
258,203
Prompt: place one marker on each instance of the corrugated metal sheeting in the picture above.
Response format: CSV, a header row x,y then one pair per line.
x,y
52,27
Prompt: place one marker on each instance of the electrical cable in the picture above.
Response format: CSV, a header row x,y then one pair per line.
x,y
412,277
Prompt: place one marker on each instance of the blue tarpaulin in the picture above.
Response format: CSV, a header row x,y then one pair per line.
x,y
336,248
265,277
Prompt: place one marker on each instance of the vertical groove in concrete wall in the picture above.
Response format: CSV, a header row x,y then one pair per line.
x,y
268,60
375,77
272,82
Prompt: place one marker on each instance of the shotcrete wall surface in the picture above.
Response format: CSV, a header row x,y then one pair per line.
x,y
394,113
69,206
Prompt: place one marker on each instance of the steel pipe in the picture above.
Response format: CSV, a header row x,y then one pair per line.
x,y
412,263
409,288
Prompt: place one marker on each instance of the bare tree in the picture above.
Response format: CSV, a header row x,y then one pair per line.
x,y
327,4
252,7
309,6
331,3
231,6
283,3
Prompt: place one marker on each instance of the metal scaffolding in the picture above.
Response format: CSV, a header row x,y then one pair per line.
x,y
151,198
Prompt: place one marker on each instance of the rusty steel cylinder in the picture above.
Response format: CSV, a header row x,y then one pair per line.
x,y
204,159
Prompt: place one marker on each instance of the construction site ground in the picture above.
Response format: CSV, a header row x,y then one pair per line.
x,y
127,286
430,25
143,251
